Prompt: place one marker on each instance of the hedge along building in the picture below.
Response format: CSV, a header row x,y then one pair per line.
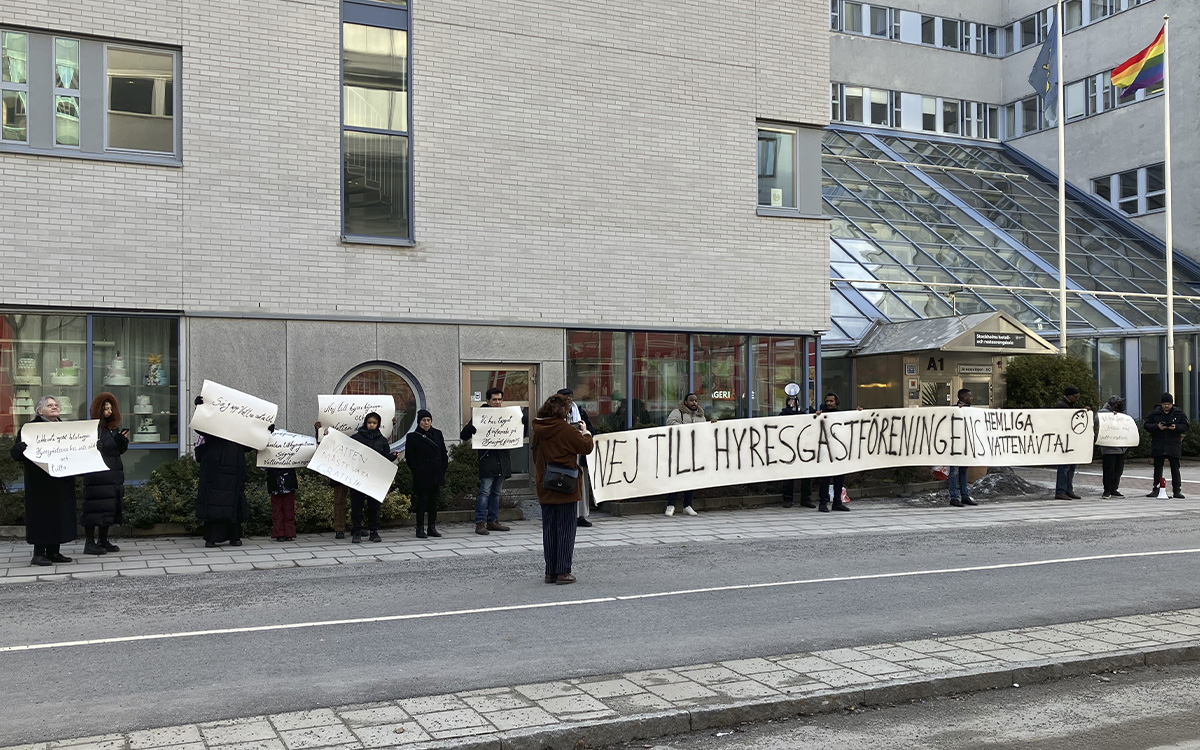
x,y
299,198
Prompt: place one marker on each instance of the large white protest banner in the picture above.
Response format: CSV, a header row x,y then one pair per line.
x,y
234,415
64,449
349,462
693,456
497,427
346,413
287,450
1117,430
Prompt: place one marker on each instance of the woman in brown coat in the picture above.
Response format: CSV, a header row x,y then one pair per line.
x,y
558,443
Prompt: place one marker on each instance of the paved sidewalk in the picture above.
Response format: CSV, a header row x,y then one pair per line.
x,y
615,708
187,555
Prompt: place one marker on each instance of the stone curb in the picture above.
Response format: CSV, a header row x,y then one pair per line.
x,y
682,720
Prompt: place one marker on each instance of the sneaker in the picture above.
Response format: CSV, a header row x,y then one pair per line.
x,y
1179,495
841,506
497,526
1117,494
375,536
1152,493
356,539
339,535
969,501
689,510
1106,496
670,511
481,528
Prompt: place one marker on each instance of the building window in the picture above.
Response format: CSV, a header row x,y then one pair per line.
x,y
951,116
141,112
881,109
777,166
14,86
596,371
1134,192
66,92
377,179
835,15
835,98
387,379
852,18
852,106
928,30
881,25
1075,100
950,33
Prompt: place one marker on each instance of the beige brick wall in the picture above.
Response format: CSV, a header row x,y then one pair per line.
x,y
575,163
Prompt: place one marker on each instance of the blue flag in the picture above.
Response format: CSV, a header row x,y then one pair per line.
x,y
1044,76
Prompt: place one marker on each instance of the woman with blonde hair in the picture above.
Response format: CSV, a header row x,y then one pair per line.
x,y
557,445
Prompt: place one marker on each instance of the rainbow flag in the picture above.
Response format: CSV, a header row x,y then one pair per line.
x,y
1143,70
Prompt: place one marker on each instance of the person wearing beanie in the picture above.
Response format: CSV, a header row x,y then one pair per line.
x,y
425,454
1112,456
1064,482
579,418
1166,426
370,436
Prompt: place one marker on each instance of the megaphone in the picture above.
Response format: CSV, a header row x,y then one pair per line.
x,y
792,389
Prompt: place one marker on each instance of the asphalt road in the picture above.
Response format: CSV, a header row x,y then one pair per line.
x,y
1143,709
72,691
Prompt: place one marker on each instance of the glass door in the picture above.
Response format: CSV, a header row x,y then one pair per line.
x,y
519,384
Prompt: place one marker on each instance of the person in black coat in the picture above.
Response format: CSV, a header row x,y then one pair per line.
x,y
495,465
221,496
790,407
281,486
370,436
104,491
1166,426
425,454
49,501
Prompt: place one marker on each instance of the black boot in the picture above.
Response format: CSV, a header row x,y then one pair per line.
x,y
432,531
89,546
39,556
840,506
824,507
421,525
104,543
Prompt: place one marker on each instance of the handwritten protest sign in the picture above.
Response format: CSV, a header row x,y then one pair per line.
x,y
349,462
693,456
287,450
234,415
1117,430
346,413
64,449
497,427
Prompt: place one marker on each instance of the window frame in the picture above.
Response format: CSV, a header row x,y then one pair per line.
x,y
18,87
175,104
1107,189
793,132
75,93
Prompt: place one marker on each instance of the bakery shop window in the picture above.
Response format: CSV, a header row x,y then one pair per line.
x,y
137,360
41,355
385,378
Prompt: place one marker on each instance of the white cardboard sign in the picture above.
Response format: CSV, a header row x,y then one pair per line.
x,y
287,450
349,462
346,413
497,427
1117,430
234,415
694,456
64,449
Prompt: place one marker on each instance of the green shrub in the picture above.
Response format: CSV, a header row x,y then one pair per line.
x,y
462,479
1191,441
1036,381
12,508
10,469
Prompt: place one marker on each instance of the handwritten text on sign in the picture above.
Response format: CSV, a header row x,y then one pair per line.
x,y
671,459
497,427
1117,430
234,415
64,449
287,450
346,413
349,462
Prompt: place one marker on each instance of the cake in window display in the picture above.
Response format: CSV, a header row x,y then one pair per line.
x,y
27,371
115,373
142,406
65,407
156,372
147,431
66,374
23,403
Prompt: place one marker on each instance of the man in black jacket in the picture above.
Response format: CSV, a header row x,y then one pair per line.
x,y
831,487
1064,481
1166,426
792,406
494,467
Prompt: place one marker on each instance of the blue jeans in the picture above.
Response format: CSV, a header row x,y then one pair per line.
x,y
958,483
1064,483
487,505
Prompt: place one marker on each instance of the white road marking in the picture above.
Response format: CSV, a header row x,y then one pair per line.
x,y
579,602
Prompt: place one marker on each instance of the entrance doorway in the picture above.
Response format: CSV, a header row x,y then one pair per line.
x,y
519,384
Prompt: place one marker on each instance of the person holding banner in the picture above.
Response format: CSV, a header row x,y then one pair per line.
x,y
1166,426
49,500
689,411
495,465
104,491
370,436
557,445
1064,481
341,493
425,454
790,407
831,487
1113,456
281,486
221,502
956,476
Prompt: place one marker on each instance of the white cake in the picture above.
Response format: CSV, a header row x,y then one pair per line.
x,y
147,431
23,402
116,374
143,405
66,374
27,372
65,406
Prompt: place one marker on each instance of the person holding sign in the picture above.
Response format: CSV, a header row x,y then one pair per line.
x,y
557,445
790,407
341,494
370,436
49,500
956,476
831,487
1064,481
425,454
1166,426
104,491
221,502
281,486
1113,456
689,411
495,465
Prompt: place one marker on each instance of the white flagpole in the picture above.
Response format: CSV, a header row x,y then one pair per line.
x,y
1169,379
1062,187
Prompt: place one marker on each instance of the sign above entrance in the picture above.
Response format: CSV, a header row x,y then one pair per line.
x,y
975,369
999,340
